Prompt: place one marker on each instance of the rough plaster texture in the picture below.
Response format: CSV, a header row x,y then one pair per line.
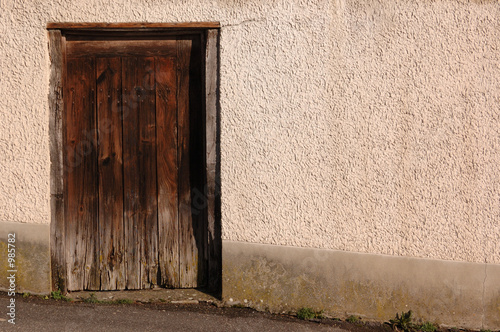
x,y
375,287
361,125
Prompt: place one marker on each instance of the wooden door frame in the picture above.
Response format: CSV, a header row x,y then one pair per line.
x,y
209,33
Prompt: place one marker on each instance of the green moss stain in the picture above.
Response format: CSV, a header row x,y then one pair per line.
x,y
32,265
284,285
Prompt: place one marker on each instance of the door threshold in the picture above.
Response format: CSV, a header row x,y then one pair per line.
x,y
156,295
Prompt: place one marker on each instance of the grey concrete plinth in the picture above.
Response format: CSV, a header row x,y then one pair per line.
x,y
32,257
375,287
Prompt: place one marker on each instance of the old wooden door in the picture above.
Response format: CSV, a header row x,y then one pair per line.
x,y
133,161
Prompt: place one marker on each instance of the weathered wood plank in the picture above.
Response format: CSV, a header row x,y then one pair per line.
x,y
134,227
188,251
166,126
110,162
56,107
139,161
197,158
128,34
214,244
191,228
147,151
80,182
116,48
138,25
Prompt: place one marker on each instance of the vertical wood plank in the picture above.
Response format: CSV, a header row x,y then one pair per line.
x,y
80,182
214,244
197,158
56,127
166,126
188,251
139,170
191,226
110,163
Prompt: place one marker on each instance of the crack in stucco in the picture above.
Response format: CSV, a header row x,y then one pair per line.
x,y
243,22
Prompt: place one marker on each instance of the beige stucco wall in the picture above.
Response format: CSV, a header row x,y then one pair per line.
x,y
368,126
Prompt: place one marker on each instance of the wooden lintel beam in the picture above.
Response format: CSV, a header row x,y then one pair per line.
x,y
131,26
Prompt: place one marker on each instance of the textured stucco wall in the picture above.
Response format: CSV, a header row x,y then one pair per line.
x,y
361,125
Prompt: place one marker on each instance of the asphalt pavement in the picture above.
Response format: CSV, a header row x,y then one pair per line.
x,y
37,314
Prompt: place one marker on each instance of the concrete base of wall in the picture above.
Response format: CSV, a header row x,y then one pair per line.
x,y
283,279
32,257
375,287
